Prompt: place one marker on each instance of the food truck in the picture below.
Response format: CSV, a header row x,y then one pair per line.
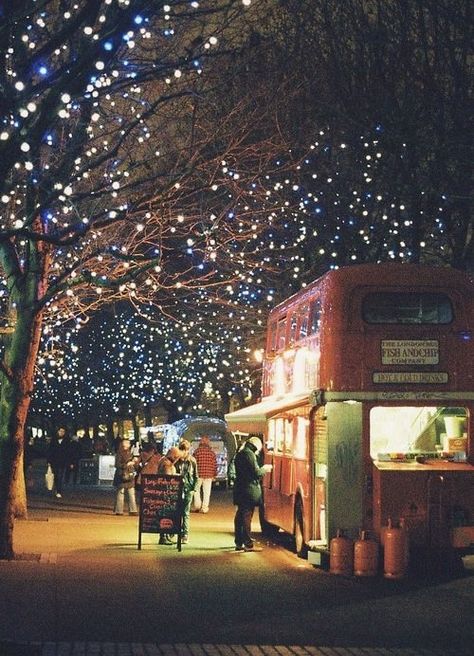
x,y
367,409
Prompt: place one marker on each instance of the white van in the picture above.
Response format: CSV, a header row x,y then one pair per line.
x,y
221,440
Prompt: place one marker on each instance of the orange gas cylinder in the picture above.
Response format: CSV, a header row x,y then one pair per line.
x,y
384,530
395,552
366,556
341,554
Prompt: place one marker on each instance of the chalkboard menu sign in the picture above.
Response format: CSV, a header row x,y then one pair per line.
x,y
161,505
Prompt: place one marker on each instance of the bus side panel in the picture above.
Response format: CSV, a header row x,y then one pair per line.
x,y
289,477
345,468
432,503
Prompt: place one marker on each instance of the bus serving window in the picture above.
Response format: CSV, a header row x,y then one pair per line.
x,y
300,446
279,435
407,307
412,429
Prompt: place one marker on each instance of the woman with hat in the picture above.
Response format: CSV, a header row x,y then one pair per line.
x,y
187,467
167,466
124,478
247,491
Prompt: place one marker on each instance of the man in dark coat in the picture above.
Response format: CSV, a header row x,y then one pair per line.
x,y
57,456
247,491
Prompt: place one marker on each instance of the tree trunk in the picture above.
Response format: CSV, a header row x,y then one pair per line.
x,y
19,484
16,381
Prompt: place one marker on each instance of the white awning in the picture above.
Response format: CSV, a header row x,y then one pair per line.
x,y
253,418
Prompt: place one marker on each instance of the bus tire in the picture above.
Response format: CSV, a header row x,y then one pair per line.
x,y
301,549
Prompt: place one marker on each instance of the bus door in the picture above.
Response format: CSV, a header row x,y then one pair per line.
x,y
271,482
319,459
278,495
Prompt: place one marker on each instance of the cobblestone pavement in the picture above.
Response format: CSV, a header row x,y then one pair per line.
x,y
151,649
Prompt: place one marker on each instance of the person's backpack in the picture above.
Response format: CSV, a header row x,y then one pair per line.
x,y
231,472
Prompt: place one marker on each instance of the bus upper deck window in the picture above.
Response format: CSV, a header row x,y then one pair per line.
x,y
304,319
281,334
315,317
272,336
293,327
407,308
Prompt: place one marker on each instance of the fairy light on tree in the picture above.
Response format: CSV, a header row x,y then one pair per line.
x,y
102,146
112,187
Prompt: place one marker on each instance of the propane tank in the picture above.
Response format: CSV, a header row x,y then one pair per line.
x,y
395,552
341,554
366,556
384,530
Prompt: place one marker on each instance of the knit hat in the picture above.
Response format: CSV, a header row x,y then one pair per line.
x,y
256,441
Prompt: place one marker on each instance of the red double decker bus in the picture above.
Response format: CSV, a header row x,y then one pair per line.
x,y
367,407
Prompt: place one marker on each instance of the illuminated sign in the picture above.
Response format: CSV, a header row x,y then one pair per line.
x,y
424,377
410,351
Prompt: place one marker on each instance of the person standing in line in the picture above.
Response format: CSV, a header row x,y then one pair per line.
x,y
124,478
187,467
247,492
74,457
168,462
167,466
57,456
148,463
207,470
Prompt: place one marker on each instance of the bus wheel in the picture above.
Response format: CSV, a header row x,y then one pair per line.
x,y
301,549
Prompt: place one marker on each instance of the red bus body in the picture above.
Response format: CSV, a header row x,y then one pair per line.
x,y
367,407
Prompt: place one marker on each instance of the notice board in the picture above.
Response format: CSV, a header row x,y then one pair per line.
x,y
161,505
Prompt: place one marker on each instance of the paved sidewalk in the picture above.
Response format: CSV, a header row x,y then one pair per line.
x,y
150,649
80,587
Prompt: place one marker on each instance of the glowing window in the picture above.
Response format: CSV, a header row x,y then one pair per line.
x,y
299,371
279,435
288,436
301,437
293,327
315,318
414,429
272,336
281,334
270,443
304,321
279,377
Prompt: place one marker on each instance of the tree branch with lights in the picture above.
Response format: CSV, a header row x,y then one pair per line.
x,y
101,168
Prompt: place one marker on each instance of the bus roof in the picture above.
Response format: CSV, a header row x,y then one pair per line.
x,y
385,273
